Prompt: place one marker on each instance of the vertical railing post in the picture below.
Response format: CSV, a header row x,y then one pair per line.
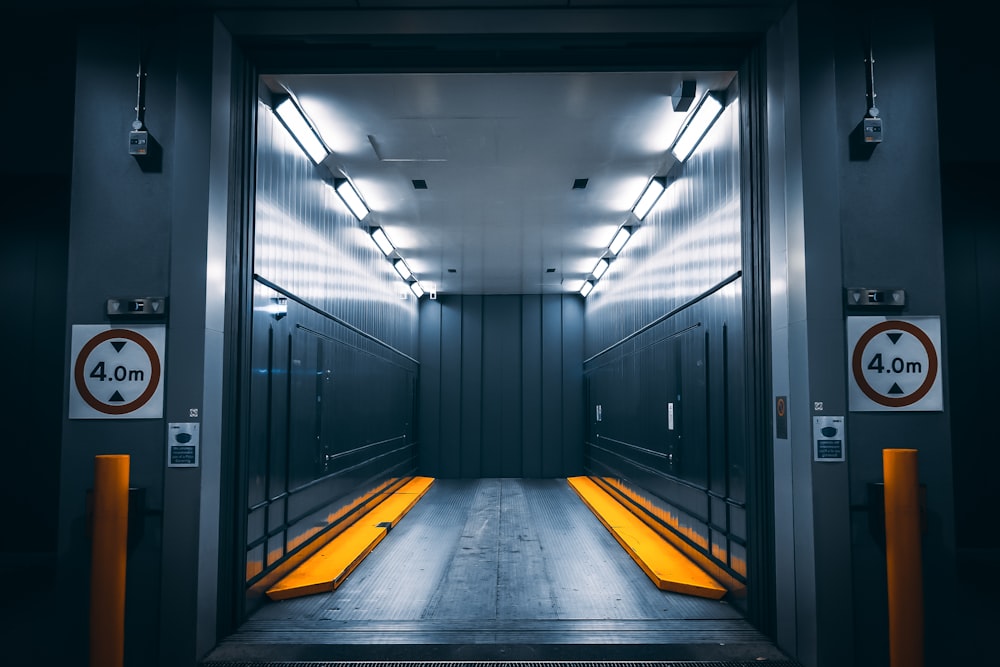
x,y
108,553
904,565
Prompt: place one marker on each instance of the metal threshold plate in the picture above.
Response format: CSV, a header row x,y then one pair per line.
x,y
667,663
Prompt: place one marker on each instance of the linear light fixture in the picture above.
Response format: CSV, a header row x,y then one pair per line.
x,y
351,197
382,241
650,195
600,268
697,126
305,135
621,238
586,288
417,289
402,269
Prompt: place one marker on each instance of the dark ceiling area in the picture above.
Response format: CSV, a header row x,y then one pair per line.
x,y
39,49
967,61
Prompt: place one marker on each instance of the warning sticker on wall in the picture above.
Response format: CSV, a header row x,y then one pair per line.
x,y
894,364
116,373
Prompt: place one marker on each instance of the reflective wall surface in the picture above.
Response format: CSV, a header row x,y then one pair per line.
x,y
664,367
333,379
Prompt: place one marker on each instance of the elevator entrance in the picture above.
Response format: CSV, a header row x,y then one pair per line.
x,y
356,380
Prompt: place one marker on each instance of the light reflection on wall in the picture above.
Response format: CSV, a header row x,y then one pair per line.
x,y
693,272
308,243
687,244
687,470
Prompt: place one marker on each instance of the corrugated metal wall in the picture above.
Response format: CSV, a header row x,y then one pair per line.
x,y
664,359
333,381
501,389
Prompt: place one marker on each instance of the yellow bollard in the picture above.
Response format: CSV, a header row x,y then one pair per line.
x,y
904,565
108,554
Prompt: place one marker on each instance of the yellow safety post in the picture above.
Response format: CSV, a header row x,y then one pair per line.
x,y
903,559
108,553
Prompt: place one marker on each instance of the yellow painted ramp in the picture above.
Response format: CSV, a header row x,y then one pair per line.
x,y
325,570
392,509
669,569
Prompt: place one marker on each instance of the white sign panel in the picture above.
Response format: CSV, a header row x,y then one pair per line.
x,y
183,444
894,364
116,372
829,439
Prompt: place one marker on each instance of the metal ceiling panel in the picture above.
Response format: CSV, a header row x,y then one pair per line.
x,y
499,154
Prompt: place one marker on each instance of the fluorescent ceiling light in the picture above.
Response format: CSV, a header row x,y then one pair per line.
x,y
402,269
305,136
697,126
619,241
585,288
649,197
351,198
417,289
382,241
600,268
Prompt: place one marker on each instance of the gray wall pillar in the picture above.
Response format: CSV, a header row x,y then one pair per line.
x,y
843,218
814,603
152,226
198,278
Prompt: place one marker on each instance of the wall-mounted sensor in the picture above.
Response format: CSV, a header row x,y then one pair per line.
x,y
880,297
871,130
683,95
145,307
138,142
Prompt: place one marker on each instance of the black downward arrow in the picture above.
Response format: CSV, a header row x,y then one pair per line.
x,y
116,398
119,344
894,337
894,389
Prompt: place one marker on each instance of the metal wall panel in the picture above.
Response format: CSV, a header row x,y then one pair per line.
x,y
430,384
471,382
572,387
552,385
531,385
503,407
501,386
333,381
449,409
664,362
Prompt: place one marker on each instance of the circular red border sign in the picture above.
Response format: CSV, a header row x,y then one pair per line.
x,y
154,373
932,363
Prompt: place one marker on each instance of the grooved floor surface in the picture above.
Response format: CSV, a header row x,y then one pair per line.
x,y
497,569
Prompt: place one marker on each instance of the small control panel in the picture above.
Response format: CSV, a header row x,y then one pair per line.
x,y
868,297
138,142
829,439
871,130
143,307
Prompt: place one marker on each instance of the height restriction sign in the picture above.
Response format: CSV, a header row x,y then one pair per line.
x,y
116,372
894,364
